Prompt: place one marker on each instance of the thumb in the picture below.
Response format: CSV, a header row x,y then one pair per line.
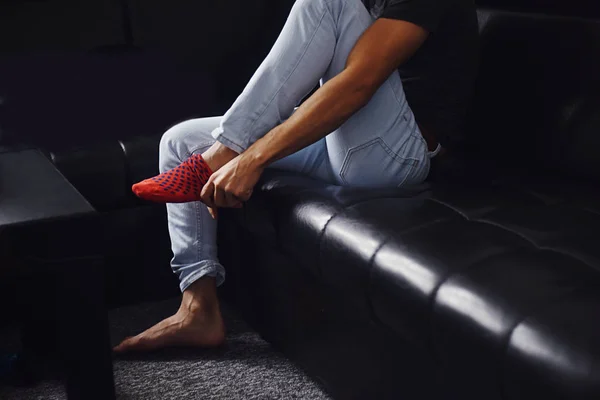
x,y
213,212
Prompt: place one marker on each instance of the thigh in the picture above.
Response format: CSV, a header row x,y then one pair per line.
x,y
311,161
380,145
194,136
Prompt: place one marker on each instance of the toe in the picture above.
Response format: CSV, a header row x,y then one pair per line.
x,y
137,343
140,189
143,342
124,345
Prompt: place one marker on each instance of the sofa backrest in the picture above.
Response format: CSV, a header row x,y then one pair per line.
x,y
537,102
64,25
74,74
572,8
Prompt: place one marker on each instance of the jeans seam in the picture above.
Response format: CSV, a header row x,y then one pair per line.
x,y
345,3
201,271
397,158
197,204
198,229
318,164
314,34
230,143
394,92
410,171
198,147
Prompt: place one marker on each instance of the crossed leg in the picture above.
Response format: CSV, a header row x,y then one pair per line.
x,y
379,143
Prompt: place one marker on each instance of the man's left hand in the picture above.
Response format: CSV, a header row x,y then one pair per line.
x,y
231,185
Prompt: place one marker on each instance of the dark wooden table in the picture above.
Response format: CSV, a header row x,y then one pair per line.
x,y
32,190
55,231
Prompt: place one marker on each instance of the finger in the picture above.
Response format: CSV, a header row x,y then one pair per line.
x,y
232,200
219,197
243,197
212,212
206,196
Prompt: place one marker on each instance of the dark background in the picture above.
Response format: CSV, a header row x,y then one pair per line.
x,y
74,72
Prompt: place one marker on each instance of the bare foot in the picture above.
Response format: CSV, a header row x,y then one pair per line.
x,y
197,323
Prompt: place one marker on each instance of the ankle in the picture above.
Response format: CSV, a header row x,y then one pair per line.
x,y
200,297
218,155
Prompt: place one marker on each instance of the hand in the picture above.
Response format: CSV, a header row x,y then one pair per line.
x,y
231,185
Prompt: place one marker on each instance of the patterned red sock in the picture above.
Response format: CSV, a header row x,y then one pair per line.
x,y
182,184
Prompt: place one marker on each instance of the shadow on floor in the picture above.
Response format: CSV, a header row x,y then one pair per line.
x,y
246,367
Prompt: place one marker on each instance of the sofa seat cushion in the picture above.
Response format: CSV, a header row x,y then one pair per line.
x,y
494,279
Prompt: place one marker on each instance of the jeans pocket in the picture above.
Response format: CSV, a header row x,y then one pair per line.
x,y
375,164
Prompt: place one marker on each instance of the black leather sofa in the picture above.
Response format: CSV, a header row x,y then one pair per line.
x,y
483,288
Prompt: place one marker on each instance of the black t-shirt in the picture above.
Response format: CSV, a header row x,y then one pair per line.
x,y
439,78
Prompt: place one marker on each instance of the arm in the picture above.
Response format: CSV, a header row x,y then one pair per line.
x,y
379,52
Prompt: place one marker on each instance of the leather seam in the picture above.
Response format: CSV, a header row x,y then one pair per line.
x,y
444,280
516,233
534,244
506,341
376,319
128,172
320,242
369,283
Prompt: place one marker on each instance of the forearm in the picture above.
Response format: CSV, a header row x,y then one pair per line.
x,y
382,48
326,110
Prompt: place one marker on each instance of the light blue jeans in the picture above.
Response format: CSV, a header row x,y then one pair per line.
x,y
380,145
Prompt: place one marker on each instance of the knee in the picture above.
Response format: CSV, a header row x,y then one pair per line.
x,y
334,7
305,5
172,147
185,139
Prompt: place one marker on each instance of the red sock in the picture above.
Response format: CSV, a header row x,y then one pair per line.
x,y
182,184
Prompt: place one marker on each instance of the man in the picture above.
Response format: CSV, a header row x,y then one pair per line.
x,y
364,127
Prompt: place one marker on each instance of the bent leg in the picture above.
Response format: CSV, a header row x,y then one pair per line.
x,y
380,145
191,228
193,235
298,60
193,232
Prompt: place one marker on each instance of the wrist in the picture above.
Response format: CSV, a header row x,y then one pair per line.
x,y
256,159
260,154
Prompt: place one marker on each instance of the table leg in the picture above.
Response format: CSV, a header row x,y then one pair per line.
x,y
35,299
82,321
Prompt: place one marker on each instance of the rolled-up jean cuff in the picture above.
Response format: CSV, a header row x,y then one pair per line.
x,y
218,135
205,268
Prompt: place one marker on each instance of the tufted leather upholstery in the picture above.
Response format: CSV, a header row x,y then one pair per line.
x,y
485,290
497,283
500,282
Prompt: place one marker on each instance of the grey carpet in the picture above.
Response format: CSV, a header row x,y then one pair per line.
x,y
246,368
